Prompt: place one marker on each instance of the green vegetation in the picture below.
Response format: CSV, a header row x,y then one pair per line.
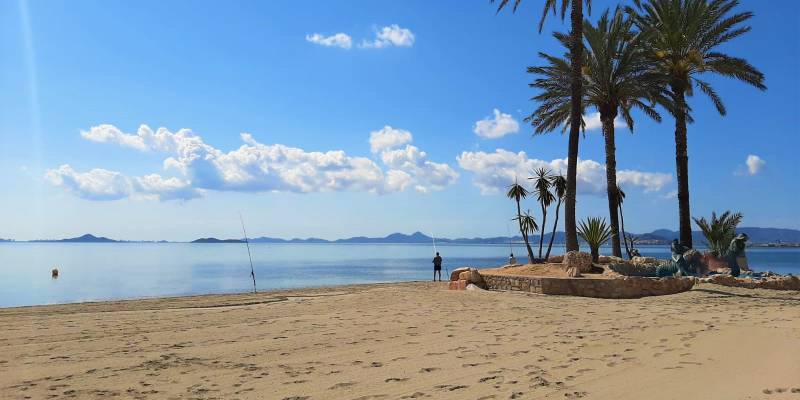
x,y
542,180
559,184
575,82
719,231
518,192
595,233
683,40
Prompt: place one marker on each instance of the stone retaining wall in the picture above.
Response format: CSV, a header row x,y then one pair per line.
x,y
619,288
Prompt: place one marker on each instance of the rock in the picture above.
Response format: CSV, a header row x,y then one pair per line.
x,y
473,286
458,285
555,259
573,272
471,275
456,272
645,261
581,261
773,282
610,260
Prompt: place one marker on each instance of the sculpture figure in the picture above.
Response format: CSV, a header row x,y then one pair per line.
x,y
735,256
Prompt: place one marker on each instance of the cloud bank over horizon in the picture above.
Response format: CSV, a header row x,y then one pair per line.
x,y
493,172
254,167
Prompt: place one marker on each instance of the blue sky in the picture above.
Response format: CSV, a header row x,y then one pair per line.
x,y
79,78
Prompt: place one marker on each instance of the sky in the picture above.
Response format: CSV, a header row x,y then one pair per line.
x,y
165,120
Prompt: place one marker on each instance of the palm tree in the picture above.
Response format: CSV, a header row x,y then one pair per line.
x,y
719,231
541,183
620,200
518,192
576,56
617,79
683,36
528,223
559,184
595,233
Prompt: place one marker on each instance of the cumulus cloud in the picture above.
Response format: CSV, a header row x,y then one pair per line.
x,y
388,138
96,184
755,164
593,122
388,36
492,128
341,40
493,172
254,167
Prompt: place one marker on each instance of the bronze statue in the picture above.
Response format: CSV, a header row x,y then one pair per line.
x,y
735,256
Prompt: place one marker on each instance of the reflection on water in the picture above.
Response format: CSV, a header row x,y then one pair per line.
x,y
89,271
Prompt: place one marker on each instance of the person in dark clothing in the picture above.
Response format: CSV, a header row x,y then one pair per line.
x,y
437,267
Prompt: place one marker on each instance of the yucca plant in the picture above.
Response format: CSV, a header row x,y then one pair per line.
x,y
542,180
559,183
518,192
719,231
595,232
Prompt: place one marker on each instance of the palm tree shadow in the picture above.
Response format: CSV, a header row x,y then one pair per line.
x,y
748,296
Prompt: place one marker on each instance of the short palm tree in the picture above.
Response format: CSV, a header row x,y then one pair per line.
x,y
617,79
719,231
559,184
595,233
576,57
684,36
528,223
518,192
620,200
541,184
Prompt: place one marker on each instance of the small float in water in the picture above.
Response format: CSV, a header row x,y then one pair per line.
x,y
54,273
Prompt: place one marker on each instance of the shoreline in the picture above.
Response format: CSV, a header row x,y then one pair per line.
x,y
407,340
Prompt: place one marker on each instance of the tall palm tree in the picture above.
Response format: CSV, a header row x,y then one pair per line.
x,y
683,36
617,78
620,200
559,184
541,183
518,192
576,56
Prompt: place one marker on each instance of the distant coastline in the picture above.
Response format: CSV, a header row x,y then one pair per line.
x,y
759,237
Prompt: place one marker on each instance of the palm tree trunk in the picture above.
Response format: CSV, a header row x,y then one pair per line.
x,y
553,235
576,58
622,226
611,181
541,231
524,234
682,167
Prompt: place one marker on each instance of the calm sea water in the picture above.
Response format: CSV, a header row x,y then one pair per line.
x,y
133,270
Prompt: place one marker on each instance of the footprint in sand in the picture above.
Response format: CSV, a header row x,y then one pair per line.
x,y
388,380
429,369
341,385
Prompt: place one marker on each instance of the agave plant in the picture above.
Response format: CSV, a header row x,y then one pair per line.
x,y
719,231
595,232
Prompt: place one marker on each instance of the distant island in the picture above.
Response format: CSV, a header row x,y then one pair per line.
x,y
759,237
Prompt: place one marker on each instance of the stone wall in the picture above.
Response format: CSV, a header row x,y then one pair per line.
x,y
619,288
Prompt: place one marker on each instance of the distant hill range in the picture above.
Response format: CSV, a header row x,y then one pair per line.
x,y
758,236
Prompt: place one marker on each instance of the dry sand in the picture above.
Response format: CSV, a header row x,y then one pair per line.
x,y
414,340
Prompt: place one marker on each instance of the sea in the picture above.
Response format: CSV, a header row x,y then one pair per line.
x,y
110,271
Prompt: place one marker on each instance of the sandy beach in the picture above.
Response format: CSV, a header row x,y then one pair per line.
x,y
404,341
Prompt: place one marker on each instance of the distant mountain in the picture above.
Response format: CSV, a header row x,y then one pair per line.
x,y
87,238
215,240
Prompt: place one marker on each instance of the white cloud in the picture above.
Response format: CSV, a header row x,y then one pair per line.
x,y
97,184
593,122
492,128
388,138
392,35
493,172
254,167
341,40
755,164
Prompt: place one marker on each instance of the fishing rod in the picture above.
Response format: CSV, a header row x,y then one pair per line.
x,y
247,243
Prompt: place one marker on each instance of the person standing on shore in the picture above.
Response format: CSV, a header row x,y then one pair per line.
x,y
437,267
